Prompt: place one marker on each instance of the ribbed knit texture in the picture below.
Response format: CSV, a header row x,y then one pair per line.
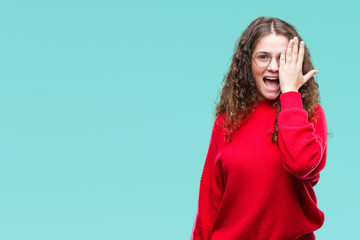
x,y
254,189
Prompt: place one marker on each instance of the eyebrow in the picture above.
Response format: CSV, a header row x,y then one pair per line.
x,y
268,52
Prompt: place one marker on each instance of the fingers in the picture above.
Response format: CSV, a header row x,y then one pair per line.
x,y
301,54
309,75
295,50
282,56
289,51
292,50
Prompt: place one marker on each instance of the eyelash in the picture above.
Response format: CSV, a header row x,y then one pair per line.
x,y
268,55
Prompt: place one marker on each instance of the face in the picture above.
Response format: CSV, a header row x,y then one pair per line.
x,y
267,78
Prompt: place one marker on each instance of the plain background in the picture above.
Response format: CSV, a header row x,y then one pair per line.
x,y
106,109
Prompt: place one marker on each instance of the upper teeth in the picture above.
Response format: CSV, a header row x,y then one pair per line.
x,y
270,78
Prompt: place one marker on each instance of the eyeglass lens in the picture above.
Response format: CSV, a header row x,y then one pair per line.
x,y
263,59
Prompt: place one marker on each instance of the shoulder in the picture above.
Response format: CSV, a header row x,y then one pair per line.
x,y
318,117
319,111
221,121
219,125
220,118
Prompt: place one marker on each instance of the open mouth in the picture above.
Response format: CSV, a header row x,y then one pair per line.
x,y
272,83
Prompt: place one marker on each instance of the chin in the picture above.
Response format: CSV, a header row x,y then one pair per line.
x,y
271,96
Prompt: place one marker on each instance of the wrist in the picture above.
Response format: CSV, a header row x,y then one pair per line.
x,y
288,89
291,100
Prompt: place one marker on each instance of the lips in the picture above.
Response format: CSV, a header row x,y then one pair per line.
x,y
272,83
272,77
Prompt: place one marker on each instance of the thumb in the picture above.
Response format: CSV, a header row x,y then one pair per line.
x,y
309,75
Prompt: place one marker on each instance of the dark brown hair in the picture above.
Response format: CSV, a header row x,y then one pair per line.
x,y
239,93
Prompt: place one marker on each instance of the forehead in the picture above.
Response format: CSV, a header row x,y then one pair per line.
x,y
271,43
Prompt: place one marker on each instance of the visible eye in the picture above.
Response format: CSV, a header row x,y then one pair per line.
x,y
263,57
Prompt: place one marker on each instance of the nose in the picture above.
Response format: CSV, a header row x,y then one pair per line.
x,y
273,65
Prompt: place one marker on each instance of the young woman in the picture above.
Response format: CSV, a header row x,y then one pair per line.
x,y
268,142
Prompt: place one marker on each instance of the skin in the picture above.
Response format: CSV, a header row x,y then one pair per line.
x,y
291,60
289,71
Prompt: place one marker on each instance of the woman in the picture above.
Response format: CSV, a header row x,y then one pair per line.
x,y
268,142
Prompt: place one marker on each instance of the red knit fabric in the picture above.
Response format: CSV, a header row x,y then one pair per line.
x,y
254,189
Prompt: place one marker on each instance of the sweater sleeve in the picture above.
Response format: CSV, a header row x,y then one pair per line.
x,y
303,145
210,193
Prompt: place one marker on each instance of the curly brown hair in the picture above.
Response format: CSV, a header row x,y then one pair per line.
x,y
239,93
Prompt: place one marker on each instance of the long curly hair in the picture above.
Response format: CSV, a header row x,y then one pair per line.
x,y
239,93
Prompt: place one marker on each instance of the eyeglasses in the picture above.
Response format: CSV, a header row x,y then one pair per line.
x,y
263,59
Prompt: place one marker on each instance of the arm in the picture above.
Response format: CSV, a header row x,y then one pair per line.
x,y
303,145
210,191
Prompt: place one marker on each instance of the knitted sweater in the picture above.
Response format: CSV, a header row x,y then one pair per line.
x,y
254,189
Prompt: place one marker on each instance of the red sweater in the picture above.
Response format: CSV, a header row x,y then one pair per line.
x,y
254,189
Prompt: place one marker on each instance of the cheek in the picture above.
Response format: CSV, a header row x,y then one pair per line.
x,y
257,72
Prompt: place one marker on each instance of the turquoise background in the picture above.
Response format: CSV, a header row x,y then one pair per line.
x,y
106,109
